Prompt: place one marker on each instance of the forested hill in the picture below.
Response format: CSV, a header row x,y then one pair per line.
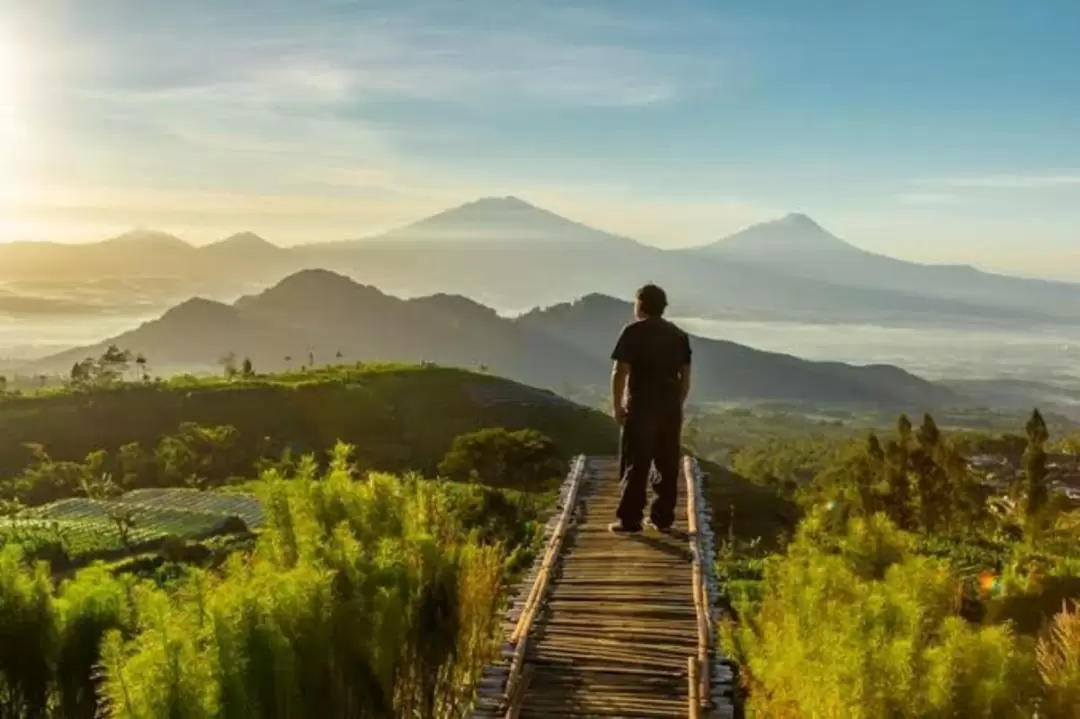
x,y
399,418
316,318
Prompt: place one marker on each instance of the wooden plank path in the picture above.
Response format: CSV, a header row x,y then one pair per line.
x,y
611,625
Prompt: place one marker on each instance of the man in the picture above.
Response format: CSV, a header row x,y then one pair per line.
x,y
649,385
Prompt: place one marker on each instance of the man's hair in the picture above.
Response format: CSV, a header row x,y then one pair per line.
x,y
652,300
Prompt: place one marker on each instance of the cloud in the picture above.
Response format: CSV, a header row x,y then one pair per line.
x,y
929,198
1037,181
325,59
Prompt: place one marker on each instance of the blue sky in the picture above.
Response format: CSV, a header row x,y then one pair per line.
x,y
936,131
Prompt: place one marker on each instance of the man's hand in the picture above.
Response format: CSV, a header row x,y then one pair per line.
x,y
619,413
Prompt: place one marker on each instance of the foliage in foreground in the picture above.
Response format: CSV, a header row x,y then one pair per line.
x,y
363,598
857,624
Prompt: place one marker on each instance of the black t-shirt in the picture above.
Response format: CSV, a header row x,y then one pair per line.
x,y
656,351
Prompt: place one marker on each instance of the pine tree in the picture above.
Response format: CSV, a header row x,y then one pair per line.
x,y
929,477
898,501
1037,492
867,473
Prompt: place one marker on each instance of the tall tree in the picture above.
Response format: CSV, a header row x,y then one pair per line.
x,y
929,476
228,364
898,486
1037,492
140,362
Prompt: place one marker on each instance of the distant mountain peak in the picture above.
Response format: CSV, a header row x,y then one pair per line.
x,y
198,309
506,201
314,283
799,219
245,241
793,234
315,278
492,209
148,237
500,219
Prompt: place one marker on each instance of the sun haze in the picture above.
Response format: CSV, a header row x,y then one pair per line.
x,y
929,131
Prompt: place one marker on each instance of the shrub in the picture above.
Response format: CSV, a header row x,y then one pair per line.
x,y
361,599
1058,657
496,456
857,625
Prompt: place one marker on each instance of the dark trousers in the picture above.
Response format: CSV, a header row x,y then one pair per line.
x,y
649,438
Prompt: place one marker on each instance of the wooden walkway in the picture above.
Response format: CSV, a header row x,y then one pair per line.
x,y
609,625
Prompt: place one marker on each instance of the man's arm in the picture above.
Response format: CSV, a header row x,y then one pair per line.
x,y
620,371
684,383
684,373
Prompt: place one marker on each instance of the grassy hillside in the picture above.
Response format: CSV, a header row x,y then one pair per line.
x,y
399,418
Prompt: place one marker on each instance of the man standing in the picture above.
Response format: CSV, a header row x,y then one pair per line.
x,y
649,385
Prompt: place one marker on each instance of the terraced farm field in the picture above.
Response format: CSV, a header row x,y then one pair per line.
x,y
85,528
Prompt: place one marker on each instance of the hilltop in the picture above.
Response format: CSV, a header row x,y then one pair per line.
x,y
400,417
315,318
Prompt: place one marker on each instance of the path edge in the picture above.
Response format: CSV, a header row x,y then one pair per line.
x,y
722,677
490,695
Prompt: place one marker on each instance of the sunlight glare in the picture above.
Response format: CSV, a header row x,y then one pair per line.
x,y
8,126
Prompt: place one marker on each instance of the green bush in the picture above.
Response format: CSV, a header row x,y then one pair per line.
x,y
496,456
856,624
362,598
374,597
49,643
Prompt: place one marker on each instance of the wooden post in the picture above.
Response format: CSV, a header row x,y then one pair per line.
x,y
694,687
518,700
701,602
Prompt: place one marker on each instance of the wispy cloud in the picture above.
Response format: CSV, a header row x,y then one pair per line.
x,y
929,198
405,55
1008,181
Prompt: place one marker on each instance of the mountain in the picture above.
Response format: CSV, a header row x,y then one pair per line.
x,y
506,253
245,244
323,317
499,220
796,246
502,252
794,238
729,371
254,258
142,239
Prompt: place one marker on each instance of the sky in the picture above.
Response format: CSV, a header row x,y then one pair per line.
x,y
938,131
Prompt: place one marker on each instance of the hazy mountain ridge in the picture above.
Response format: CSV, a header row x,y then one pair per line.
x,y
320,316
506,253
797,246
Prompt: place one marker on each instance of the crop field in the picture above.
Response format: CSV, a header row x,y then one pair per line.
x,y
84,528
245,506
